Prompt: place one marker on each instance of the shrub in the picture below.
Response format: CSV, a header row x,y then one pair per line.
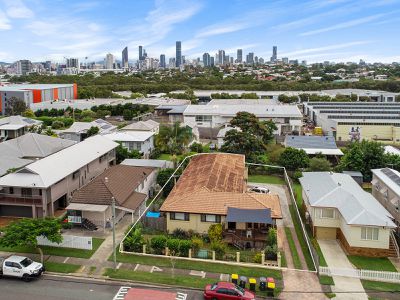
x,y
272,237
215,232
197,243
179,233
219,248
158,243
184,247
134,241
196,147
297,175
271,252
57,125
257,258
173,246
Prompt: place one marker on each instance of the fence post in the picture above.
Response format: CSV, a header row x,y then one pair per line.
x,y
213,255
144,249
190,253
263,258
237,256
279,259
166,251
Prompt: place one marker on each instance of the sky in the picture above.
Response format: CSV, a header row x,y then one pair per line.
x,y
313,30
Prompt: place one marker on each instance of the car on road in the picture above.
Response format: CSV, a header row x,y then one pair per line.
x,y
21,267
258,189
227,291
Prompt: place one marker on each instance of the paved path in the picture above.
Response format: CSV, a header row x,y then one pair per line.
x,y
345,287
301,285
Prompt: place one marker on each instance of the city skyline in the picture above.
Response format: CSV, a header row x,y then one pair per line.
x,y
311,30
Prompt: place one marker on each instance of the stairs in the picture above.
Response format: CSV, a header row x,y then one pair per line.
x,y
88,225
393,246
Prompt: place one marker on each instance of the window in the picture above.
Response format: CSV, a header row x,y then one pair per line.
x,y
327,213
369,233
11,189
203,118
211,218
179,216
75,174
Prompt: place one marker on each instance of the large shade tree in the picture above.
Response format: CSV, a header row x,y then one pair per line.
x,y
24,233
294,159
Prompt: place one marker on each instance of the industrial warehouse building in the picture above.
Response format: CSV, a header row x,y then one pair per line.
x,y
36,93
351,121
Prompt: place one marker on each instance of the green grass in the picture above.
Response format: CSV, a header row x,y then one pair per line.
x,y
330,295
61,268
381,286
266,179
301,238
372,263
283,259
297,191
322,261
165,156
199,265
57,251
326,280
293,249
179,280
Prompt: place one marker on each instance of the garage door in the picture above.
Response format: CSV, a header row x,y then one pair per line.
x,y
15,211
326,233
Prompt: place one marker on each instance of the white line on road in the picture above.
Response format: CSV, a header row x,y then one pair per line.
x,y
123,290
137,266
181,296
65,260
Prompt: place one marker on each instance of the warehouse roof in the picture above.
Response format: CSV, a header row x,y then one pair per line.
x,y
53,168
340,191
21,87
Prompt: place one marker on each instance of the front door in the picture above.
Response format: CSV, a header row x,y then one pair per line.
x,y
232,225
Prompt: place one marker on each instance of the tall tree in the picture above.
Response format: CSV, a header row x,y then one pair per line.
x,y
25,232
15,107
173,139
293,159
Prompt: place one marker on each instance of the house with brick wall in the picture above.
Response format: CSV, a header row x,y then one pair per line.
x,y
338,208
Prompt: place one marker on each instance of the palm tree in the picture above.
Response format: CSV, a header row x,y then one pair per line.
x,y
173,139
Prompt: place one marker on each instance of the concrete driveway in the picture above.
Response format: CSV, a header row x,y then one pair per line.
x,y
345,287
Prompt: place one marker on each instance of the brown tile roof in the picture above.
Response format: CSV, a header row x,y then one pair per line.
x,y
213,182
122,182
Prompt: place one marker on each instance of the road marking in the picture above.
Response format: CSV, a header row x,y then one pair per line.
x,y
181,296
155,269
123,290
137,266
119,265
201,274
65,260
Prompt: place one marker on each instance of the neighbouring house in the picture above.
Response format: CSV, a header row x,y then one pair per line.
x,y
148,125
338,208
213,189
78,130
386,188
26,149
15,126
313,144
392,150
130,187
44,187
142,141
170,113
152,163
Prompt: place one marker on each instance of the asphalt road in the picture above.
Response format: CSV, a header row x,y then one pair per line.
x,y
65,288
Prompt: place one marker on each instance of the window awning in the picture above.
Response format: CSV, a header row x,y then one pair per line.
x,y
249,215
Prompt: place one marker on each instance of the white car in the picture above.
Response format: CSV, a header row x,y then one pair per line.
x,y
260,190
21,267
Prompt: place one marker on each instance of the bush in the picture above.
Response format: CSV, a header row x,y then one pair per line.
x,y
196,147
179,233
173,246
134,241
66,225
219,248
271,252
257,258
156,153
272,237
158,243
297,175
57,125
215,232
197,244
184,247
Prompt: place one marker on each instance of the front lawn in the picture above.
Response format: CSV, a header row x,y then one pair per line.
x,y
372,263
293,249
179,280
381,286
58,251
61,268
199,265
271,179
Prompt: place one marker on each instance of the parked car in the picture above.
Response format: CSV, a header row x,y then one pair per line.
x,y
21,267
227,291
260,190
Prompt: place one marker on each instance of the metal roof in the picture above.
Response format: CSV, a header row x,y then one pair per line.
x,y
129,136
313,144
155,163
390,177
341,191
241,215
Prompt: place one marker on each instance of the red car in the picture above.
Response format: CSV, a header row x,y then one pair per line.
x,y
227,291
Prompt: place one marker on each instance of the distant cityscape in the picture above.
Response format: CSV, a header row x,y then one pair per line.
x,y
112,63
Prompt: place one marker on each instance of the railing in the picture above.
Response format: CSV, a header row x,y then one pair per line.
x,y
361,274
394,241
69,241
8,195
20,199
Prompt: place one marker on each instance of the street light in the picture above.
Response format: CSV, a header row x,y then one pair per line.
x,y
113,225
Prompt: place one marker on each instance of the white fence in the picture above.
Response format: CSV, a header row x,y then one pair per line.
x,y
69,241
361,274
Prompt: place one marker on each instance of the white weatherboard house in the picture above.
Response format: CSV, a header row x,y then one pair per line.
x,y
338,208
143,141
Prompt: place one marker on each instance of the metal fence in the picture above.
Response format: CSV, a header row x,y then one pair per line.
x,y
361,274
69,241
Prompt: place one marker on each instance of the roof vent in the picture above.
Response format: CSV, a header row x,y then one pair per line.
x,y
339,184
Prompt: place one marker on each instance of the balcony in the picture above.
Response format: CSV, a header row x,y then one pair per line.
x,y
20,199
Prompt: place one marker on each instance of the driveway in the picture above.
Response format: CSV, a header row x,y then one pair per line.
x,y
345,287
